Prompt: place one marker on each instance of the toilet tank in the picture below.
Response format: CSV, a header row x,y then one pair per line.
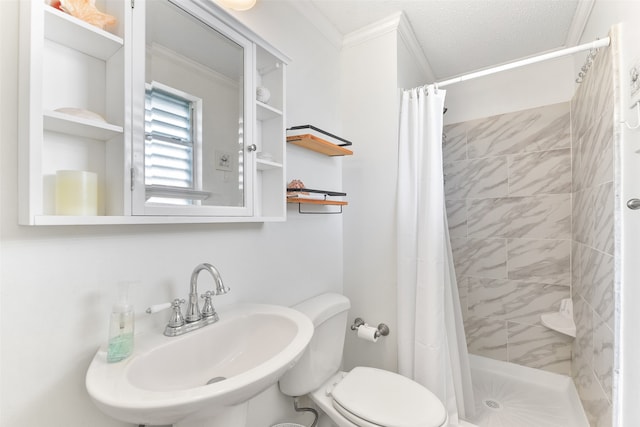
x,y
323,356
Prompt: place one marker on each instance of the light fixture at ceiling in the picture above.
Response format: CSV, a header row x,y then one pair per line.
x,y
238,4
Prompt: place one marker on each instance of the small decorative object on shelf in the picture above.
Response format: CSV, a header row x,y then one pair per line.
x,y
85,10
295,184
263,94
76,193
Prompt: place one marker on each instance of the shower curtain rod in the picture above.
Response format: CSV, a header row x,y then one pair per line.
x,y
551,55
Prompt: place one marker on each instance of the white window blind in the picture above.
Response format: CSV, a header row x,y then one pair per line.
x,y
169,140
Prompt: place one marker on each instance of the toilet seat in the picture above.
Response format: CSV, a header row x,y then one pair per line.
x,y
370,397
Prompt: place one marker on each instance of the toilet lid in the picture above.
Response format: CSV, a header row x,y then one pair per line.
x,y
387,399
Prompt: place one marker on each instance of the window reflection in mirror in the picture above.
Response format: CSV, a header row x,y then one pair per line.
x,y
193,111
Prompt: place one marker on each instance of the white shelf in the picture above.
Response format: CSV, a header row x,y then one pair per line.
x,y
79,35
562,320
66,123
560,323
263,165
267,112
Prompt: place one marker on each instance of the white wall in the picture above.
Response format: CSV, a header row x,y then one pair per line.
x,y
58,283
410,73
532,86
373,70
626,370
369,105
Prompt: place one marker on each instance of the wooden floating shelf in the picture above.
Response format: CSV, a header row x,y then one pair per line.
x,y
316,201
318,145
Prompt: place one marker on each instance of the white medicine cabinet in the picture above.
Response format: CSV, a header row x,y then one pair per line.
x,y
161,107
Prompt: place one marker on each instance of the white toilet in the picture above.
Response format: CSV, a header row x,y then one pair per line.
x,y
364,397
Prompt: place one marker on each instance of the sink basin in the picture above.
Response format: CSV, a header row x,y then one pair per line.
x,y
201,374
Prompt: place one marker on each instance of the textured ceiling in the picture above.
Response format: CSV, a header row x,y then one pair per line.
x,y
459,36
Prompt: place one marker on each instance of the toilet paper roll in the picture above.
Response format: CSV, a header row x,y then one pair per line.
x,y
367,333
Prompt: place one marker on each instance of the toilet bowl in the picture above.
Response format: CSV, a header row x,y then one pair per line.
x,y
363,397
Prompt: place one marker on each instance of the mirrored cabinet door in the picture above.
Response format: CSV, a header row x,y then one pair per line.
x,y
192,93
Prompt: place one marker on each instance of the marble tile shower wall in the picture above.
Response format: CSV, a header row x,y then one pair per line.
x,y
593,239
530,205
508,196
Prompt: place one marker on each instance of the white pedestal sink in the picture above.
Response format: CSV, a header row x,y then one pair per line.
x,y
203,378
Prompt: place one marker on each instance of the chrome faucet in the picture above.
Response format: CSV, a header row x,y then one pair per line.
x,y
195,319
193,311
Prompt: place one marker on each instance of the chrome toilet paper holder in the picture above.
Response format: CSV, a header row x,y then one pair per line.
x,y
383,330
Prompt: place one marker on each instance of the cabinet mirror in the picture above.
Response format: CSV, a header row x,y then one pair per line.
x,y
191,106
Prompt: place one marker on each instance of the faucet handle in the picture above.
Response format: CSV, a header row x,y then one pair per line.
x,y
207,308
158,307
176,318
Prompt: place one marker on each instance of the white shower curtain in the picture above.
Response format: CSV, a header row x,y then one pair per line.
x,y
431,344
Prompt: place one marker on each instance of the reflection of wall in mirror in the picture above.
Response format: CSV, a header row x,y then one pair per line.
x,y
220,112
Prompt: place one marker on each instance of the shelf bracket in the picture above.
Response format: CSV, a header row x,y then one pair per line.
x,y
338,212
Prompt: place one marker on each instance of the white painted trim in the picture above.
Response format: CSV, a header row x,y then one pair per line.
x,y
312,14
395,22
373,30
579,22
408,37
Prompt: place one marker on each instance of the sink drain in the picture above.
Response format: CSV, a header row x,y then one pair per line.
x,y
215,380
492,404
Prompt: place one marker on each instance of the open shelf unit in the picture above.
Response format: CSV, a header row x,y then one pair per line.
x,y
316,142
68,63
270,137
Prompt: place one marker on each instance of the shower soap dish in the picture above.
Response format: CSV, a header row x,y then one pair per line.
x,y
562,320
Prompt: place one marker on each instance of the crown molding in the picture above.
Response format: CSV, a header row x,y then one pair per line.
x,y
408,37
394,22
373,30
312,14
398,23
579,22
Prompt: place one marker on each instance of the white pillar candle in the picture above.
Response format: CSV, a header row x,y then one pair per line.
x,y
76,193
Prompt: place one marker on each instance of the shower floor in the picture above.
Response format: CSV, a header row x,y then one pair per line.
x,y
510,395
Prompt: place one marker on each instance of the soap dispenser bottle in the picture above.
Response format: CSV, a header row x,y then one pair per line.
x,y
120,345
